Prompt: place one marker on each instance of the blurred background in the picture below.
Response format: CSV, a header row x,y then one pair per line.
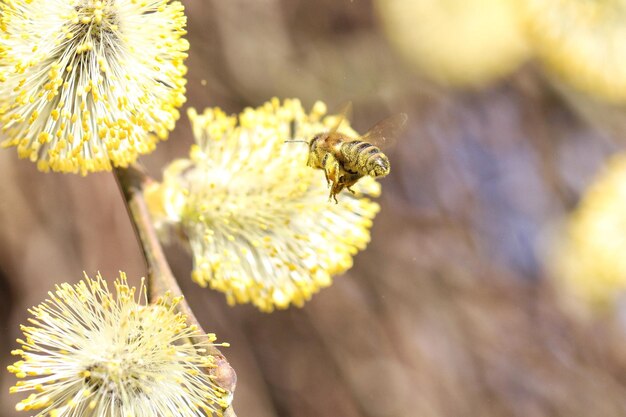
x,y
465,302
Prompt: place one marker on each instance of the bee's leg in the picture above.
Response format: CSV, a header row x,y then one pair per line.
x,y
331,168
350,182
332,196
324,160
335,189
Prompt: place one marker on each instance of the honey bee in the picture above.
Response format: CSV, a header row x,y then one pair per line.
x,y
345,160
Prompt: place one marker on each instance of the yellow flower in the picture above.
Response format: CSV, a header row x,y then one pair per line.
x,y
86,83
583,42
89,352
591,259
457,42
257,218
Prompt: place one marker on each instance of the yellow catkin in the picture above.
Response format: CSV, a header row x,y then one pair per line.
x,y
92,81
258,219
95,352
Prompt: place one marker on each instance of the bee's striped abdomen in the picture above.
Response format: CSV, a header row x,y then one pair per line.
x,y
364,158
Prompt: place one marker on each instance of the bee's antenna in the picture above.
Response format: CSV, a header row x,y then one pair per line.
x,y
293,140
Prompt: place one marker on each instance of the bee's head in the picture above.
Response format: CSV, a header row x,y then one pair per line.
x,y
314,158
315,140
314,143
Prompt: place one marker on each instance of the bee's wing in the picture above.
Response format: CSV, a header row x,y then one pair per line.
x,y
345,113
385,133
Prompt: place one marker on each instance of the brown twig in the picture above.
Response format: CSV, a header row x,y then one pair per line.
x,y
131,182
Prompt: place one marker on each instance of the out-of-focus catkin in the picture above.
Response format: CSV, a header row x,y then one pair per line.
x,y
582,43
589,258
460,43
